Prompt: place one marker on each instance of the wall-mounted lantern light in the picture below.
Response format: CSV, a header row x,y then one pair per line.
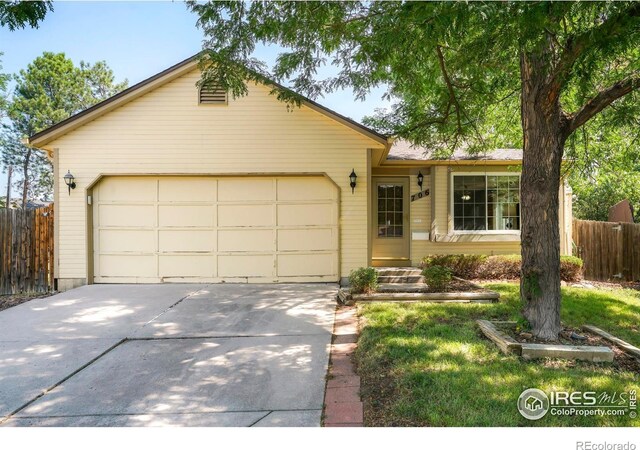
x,y
420,179
352,179
69,181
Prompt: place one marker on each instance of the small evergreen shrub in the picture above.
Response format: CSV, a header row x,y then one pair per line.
x,y
364,279
497,267
437,277
500,267
570,268
463,266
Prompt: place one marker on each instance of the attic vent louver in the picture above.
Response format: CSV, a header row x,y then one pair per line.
x,y
212,95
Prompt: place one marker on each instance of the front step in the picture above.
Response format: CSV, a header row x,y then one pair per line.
x,y
399,275
398,271
401,279
402,287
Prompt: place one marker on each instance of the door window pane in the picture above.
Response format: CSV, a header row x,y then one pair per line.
x,y
390,210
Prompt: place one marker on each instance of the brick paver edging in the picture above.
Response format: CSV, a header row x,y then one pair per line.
x,y
342,404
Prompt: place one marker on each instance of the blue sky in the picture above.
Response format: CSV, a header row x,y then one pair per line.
x,y
136,39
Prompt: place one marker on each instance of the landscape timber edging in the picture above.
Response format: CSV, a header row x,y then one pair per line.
x,y
510,346
625,346
438,297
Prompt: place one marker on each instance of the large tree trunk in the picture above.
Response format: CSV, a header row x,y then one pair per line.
x,y
542,124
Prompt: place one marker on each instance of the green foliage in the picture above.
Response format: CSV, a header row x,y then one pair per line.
x,y
437,277
463,266
497,267
4,79
456,73
452,68
364,279
18,14
427,364
48,91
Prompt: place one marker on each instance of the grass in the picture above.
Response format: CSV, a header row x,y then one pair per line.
x,y
427,364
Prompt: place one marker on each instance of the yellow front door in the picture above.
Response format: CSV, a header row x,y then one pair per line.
x,y
390,221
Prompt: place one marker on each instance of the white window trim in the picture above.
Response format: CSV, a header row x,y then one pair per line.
x,y
485,174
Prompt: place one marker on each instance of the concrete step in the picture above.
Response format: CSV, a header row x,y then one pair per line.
x,y
411,279
402,287
398,271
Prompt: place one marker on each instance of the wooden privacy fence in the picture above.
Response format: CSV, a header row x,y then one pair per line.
x,y
26,250
609,250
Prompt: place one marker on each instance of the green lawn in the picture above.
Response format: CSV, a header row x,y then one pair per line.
x,y
428,365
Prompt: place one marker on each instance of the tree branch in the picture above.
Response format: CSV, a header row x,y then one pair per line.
x,y
600,101
578,44
453,100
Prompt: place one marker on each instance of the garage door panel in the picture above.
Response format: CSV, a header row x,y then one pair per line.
x,y
186,241
306,189
127,266
246,189
128,189
141,241
306,214
254,229
245,266
307,239
181,189
186,216
246,216
310,264
249,240
203,266
127,215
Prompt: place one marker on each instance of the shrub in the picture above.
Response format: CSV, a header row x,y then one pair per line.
x,y
497,267
437,277
570,268
463,266
500,267
364,279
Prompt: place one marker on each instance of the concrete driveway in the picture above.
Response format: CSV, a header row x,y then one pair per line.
x,y
176,354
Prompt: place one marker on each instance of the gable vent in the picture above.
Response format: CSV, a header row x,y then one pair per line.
x,y
213,95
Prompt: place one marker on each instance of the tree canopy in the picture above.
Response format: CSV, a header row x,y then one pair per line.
x,y
19,14
461,75
48,91
452,68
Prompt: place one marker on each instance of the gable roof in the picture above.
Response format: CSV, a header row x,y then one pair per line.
x,y
49,134
402,150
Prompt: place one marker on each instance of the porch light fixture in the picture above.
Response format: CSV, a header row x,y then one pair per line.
x,y
69,181
420,179
352,179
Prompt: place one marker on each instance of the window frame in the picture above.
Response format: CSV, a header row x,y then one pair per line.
x,y
485,175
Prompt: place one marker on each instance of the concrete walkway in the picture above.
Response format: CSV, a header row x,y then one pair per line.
x,y
183,355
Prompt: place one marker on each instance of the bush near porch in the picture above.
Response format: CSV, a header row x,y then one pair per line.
x,y
428,364
497,267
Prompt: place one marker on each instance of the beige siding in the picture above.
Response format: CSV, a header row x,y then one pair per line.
x,y
420,216
167,132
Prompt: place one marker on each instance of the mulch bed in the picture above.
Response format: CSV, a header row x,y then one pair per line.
x,y
7,301
622,361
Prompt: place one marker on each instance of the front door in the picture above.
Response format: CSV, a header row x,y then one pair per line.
x,y
390,241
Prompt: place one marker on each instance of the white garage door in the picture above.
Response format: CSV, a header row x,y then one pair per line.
x,y
184,229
